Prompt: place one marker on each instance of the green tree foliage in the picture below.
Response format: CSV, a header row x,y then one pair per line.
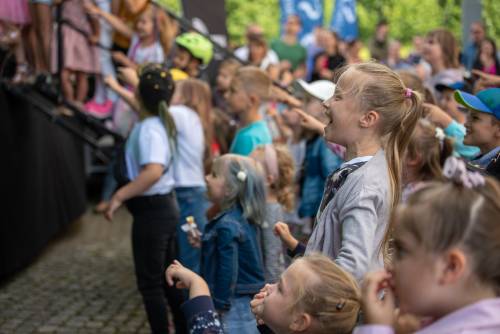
x,y
407,18
491,14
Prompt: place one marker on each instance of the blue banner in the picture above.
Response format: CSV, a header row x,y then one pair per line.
x,y
309,11
344,20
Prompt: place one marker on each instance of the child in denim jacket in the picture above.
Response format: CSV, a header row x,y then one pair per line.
x,y
231,261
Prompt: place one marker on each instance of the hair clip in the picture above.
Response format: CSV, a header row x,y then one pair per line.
x,y
340,305
242,176
440,135
408,92
455,170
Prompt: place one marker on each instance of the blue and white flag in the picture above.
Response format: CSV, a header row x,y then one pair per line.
x,y
344,20
310,13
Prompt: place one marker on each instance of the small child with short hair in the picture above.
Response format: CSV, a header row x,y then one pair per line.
x,y
279,170
483,123
446,266
192,53
314,295
249,88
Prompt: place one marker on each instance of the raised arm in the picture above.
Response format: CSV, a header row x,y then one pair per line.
x,y
113,20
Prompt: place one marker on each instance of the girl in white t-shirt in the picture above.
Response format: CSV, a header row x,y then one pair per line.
x,y
191,110
149,196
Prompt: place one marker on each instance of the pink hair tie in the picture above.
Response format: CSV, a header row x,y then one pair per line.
x,y
408,93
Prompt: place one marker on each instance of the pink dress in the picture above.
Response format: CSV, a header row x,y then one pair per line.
x,y
79,54
15,11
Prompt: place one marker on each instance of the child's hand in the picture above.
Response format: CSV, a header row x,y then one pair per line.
x,y
111,82
194,239
309,122
378,310
406,323
186,280
176,271
283,232
114,204
257,304
129,76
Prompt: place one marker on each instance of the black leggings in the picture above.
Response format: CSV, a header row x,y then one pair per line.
x,y
154,248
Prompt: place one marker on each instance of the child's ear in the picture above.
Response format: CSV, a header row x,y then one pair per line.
x,y
455,264
301,322
270,180
369,119
497,128
254,99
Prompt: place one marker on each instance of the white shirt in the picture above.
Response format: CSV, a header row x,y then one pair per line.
x,y
148,143
271,57
188,162
148,54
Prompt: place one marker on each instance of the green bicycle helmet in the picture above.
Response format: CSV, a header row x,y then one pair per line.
x,y
199,46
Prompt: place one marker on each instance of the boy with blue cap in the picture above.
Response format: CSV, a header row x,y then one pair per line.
x,y
483,124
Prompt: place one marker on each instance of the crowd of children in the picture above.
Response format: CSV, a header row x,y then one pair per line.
x,y
382,184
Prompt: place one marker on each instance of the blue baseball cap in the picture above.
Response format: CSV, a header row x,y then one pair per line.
x,y
451,85
487,101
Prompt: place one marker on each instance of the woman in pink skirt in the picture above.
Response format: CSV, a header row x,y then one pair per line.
x,y
80,55
14,17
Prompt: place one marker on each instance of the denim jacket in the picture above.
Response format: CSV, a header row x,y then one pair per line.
x,y
231,262
319,162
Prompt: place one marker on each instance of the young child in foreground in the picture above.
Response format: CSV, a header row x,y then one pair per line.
x,y
199,310
314,295
444,267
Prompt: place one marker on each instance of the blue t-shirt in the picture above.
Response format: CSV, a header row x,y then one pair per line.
x,y
249,137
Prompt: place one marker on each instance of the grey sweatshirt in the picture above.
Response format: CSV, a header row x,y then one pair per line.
x,y
351,228
272,249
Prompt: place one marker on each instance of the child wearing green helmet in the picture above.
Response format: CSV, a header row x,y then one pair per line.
x,y
193,51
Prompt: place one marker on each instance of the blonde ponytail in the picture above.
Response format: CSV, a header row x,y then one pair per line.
x,y
398,141
382,90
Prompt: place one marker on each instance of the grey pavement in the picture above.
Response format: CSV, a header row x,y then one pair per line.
x,y
82,283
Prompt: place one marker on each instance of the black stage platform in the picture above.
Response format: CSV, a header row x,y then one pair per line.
x,y
42,180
